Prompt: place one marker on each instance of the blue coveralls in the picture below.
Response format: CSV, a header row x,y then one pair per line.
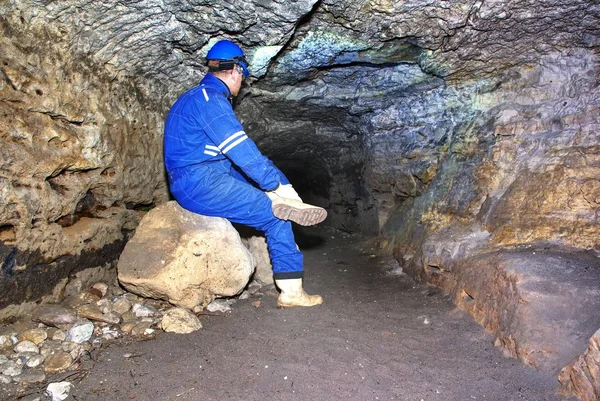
x,y
208,157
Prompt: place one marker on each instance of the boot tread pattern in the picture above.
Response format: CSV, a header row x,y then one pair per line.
x,y
305,217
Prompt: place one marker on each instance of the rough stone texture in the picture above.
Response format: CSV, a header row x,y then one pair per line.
x,y
582,377
180,320
54,315
411,117
184,258
80,150
263,273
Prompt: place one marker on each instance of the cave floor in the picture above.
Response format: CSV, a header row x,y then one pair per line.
x,y
378,336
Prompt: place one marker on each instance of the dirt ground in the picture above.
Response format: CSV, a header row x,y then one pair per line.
x,y
378,336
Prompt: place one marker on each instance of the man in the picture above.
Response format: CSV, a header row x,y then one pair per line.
x,y
211,163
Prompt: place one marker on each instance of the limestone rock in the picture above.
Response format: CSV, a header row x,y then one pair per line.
x,y
185,258
92,312
180,320
582,376
12,368
144,310
35,360
59,391
54,315
36,336
81,332
121,305
58,363
26,346
59,335
102,288
257,245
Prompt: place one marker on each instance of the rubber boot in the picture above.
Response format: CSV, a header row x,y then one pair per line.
x,y
296,211
292,294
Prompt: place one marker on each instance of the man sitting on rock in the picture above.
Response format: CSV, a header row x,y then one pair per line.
x,y
213,167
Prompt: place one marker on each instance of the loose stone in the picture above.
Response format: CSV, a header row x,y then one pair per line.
x,y
140,329
144,311
59,335
102,287
36,336
12,368
81,332
3,359
5,341
58,363
92,312
26,346
105,306
54,315
59,391
121,305
180,320
4,379
35,361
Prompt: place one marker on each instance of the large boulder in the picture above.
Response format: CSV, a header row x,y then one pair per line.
x,y
184,258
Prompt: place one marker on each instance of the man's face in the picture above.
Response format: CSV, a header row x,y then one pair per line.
x,y
238,78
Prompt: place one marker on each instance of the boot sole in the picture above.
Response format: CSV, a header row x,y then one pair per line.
x,y
307,216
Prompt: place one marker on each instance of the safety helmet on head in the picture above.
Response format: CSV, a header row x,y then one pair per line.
x,y
225,55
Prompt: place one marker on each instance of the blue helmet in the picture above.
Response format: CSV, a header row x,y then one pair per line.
x,y
224,55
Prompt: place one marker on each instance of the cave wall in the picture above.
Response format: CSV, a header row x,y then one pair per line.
x,y
81,155
464,132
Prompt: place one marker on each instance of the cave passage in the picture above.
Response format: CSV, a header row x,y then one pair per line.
x,y
379,335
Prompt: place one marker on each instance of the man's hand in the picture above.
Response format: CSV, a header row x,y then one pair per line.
x,y
287,191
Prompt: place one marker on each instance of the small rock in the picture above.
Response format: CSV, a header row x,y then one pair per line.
x,y
81,332
74,349
54,315
59,335
83,298
30,376
3,359
140,329
36,336
35,360
127,327
144,311
102,287
105,305
220,305
121,305
24,357
92,312
109,333
5,341
58,391
129,317
12,368
26,346
58,363
180,320
4,379
244,295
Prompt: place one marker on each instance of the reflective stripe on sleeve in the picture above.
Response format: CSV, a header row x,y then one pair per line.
x,y
205,94
228,148
226,143
210,153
